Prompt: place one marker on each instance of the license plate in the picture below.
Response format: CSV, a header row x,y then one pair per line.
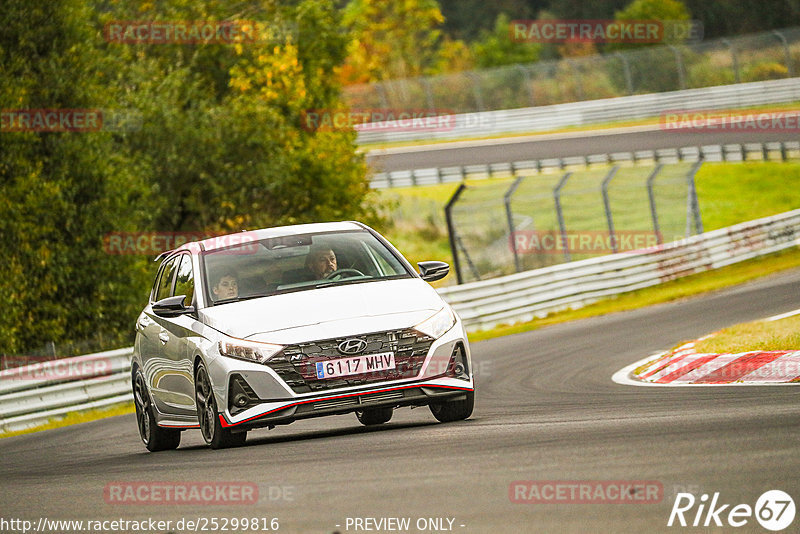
x,y
356,365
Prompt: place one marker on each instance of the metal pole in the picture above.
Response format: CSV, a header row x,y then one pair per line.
x,y
626,69
381,87
510,219
476,89
786,53
451,230
607,205
651,195
679,66
526,74
734,59
428,93
698,222
559,213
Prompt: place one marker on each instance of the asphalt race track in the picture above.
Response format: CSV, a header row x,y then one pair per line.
x,y
546,410
561,145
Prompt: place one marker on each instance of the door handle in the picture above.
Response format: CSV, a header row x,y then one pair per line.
x,y
164,337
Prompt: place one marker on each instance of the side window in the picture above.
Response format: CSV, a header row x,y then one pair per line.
x,y
184,283
165,282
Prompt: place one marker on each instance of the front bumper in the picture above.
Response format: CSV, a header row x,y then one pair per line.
x,y
280,403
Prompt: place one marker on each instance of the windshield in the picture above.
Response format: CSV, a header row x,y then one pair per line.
x,y
297,263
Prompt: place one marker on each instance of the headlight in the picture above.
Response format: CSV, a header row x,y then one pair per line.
x,y
250,351
437,325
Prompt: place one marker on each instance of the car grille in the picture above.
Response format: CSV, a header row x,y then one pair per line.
x,y
296,364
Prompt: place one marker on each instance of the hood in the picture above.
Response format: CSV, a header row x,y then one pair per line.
x,y
327,312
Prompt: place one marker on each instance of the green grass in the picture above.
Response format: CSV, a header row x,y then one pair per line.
x,y
681,288
73,418
728,193
783,334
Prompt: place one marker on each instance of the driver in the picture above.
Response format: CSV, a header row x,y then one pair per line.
x,y
321,261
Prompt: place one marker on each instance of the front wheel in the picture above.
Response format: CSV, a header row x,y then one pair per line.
x,y
153,436
374,416
208,415
454,410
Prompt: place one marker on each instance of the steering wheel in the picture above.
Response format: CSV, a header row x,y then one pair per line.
x,y
342,273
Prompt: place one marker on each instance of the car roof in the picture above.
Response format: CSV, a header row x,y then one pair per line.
x,y
222,241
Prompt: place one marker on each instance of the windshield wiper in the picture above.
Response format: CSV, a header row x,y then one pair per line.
x,y
238,299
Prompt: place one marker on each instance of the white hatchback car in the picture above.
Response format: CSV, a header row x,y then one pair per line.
x,y
262,328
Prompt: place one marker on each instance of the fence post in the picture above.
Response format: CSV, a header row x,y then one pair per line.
x,y
679,66
577,76
510,219
561,224
426,83
451,230
528,86
476,89
626,70
734,59
382,92
607,205
651,195
694,205
786,53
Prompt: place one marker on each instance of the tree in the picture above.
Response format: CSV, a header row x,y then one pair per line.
x,y
496,48
391,40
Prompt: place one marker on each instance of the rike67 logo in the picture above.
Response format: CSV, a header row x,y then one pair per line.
x,y
774,510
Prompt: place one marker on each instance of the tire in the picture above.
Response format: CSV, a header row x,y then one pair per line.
x,y
374,416
447,411
208,415
154,437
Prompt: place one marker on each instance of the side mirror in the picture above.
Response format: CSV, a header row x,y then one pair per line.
x,y
172,307
430,271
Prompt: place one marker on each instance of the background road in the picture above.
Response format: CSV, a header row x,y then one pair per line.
x,y
559,146
546,410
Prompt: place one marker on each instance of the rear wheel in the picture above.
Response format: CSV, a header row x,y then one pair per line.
x,y
454,410
374,416
211,427
154,437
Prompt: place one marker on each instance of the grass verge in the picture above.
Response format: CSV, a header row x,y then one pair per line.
x,y
689,286
783,334
73,418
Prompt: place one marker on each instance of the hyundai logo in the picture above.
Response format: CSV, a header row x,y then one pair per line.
x,y
352,346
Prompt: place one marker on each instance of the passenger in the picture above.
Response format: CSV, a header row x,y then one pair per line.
x,y
226,285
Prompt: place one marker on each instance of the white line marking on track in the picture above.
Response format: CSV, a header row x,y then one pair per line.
x,y
783,315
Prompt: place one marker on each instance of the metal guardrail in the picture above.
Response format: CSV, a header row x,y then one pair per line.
x,y
32,395
710,153
634,107
523,296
